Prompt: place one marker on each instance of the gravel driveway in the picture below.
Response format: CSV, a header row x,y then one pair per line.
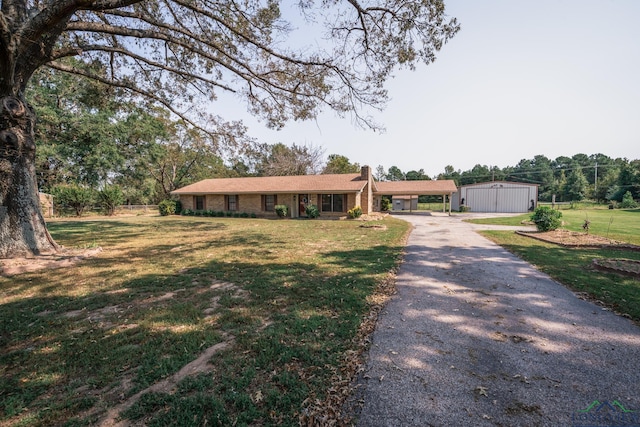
x,y
477,337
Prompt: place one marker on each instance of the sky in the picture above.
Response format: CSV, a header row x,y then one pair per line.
x,y
521,78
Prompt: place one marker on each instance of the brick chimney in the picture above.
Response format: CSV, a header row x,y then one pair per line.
x,y
366,201
365,173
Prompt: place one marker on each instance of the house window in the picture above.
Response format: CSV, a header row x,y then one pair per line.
x,y
333,202
199,203
269,202
232,203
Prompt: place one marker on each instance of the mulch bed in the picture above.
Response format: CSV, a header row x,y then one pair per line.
x,y
573,239
627,267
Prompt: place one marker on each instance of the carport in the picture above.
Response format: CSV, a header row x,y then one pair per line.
x,y
411,190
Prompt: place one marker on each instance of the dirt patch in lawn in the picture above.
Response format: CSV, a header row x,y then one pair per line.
x,y
62,258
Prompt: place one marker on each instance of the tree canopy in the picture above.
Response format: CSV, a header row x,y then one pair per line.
x,y
174,52
337,163
181,54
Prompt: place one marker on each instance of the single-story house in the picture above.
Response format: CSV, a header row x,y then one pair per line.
x,y
333,194
497,196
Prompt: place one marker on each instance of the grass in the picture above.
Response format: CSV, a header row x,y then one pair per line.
x,y
573,266
616,224
433,206
287,296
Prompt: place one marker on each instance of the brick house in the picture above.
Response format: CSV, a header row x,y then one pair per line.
x,y
334,194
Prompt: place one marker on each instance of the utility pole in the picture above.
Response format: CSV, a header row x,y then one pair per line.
x,y
595,184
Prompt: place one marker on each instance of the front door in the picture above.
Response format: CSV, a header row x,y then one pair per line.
x,y
303,201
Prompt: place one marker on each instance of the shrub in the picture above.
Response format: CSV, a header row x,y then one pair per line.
x,y
244,215
464,208
385,204
356,212
546,218
313,211
281,210
178,207
253,215
229,214
167,207
187,212
627,201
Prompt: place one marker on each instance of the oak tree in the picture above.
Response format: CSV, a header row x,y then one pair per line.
x,y
337,163
180,53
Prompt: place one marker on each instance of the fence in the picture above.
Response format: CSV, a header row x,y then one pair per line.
x,y
586,204
137,209
98,210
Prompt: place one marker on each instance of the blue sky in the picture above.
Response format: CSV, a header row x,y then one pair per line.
x,y
551,77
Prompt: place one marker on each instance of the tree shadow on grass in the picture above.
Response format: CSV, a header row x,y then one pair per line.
x,y
65,354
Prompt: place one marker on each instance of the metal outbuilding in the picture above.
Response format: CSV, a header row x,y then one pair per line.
x,y
497,196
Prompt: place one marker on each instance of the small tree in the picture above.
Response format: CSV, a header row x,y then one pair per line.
x,y
73,197
110,198
546,219
627,201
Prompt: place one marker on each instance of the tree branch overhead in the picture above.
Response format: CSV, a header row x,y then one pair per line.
x,y
286,62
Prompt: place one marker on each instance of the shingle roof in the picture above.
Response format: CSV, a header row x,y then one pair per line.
x,y
422,188
277,184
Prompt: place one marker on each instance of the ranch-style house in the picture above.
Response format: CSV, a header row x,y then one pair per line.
x,y
333,194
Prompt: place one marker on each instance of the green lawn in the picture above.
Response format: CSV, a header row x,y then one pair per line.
x,y
616,224
573,266
288,297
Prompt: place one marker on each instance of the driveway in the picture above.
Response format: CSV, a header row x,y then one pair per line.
x,y
477,337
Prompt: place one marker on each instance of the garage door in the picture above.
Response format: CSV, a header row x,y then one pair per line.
x,y
508,200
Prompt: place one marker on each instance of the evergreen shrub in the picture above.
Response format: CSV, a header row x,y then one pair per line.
x,y
546,218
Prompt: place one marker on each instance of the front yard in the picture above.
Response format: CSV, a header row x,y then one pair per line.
x,y
193,321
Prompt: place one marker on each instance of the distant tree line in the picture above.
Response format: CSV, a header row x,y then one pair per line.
x,y
93,140
596,177
92,137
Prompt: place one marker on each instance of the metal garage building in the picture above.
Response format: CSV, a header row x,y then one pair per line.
x,y
497,196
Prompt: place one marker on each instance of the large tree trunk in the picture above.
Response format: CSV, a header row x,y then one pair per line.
x,y
22,228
